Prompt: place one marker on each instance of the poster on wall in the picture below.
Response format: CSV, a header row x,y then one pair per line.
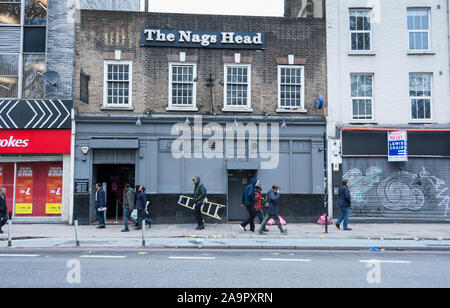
x,y
53,206
398,146
24,191
1,176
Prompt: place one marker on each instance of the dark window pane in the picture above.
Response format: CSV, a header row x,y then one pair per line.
x,y
34,39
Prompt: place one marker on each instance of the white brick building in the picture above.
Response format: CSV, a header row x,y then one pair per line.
x,y
388,69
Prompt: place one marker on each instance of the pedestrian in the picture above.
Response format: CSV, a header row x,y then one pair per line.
x,y
344,202
128,206
140,206
3,209
248,200
259,201
272,212
199,196
100,205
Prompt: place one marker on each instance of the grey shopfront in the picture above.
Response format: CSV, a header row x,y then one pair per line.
x,y
142,155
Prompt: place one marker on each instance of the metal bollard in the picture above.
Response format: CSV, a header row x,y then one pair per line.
x,y
143,233
75,218
9,229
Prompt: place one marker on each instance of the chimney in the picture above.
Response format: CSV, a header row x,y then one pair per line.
x,y
304,8
292,8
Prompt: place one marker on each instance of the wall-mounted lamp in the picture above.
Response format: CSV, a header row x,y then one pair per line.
x,y
187,122
284,125
139,122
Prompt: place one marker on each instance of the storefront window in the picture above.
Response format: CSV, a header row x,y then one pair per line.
x,y
38,189
33,67
7,182
36,12
10,12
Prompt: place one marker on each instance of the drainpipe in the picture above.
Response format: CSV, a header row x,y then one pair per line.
x,y
72,166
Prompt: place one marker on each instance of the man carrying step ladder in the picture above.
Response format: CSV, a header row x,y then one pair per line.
x,y
199,196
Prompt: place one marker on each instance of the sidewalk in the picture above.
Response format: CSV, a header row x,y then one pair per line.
x,y
300,236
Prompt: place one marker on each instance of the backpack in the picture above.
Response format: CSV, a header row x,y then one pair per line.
x,y
206,192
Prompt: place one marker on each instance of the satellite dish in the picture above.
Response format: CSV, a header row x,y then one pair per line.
x,y
50,77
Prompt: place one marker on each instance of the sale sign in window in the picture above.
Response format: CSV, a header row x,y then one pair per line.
x,y
24,191
53,205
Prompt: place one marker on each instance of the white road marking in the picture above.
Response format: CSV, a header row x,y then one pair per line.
x,y
192,258
17,255
385,261
285,260
104,257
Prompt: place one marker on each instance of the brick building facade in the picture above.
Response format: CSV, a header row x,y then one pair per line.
x,y
129,97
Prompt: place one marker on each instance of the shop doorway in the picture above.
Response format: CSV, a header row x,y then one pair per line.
x,y
237,181
114,177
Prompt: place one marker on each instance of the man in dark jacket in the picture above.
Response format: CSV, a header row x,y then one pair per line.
x,y
199,196
100,205
3,209
272,212
248,200
345,202
128,206
141,203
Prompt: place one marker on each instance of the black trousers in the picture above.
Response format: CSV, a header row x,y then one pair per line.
x,y
3,219
251,217
198,214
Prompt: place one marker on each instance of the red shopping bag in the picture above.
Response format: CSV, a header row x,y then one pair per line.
x,y
321,220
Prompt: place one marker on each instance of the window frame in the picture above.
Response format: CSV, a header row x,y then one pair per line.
x,y
128,106
421,97
18,76
178,107
408,31
300,108
236,108
22,11
371,98
370,32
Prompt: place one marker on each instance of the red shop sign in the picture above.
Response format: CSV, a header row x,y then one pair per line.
x,y
35,141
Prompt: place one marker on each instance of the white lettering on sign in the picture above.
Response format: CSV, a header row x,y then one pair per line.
x,y
205,40
14,143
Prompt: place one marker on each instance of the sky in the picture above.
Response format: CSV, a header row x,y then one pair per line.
x,y
221,7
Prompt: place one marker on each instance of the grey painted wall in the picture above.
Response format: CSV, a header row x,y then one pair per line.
x,y
111,5
300,170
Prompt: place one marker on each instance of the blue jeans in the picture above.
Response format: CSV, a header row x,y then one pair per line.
x,y
260,216
127,216
344,217
100,217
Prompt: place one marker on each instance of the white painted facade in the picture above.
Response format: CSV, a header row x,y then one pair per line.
x,y
390,62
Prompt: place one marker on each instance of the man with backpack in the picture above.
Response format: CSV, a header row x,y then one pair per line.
x,y
199,196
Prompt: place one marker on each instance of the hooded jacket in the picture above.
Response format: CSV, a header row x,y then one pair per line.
x,y
248,196
199,191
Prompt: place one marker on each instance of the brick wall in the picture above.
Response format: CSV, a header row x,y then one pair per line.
x,y
100,33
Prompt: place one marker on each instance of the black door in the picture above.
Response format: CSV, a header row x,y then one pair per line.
x,y
237,181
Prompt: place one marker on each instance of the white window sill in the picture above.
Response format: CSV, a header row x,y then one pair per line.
x,y
285,110
362,53
363,122
119,108
190,109
420,53
237,110
425,121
